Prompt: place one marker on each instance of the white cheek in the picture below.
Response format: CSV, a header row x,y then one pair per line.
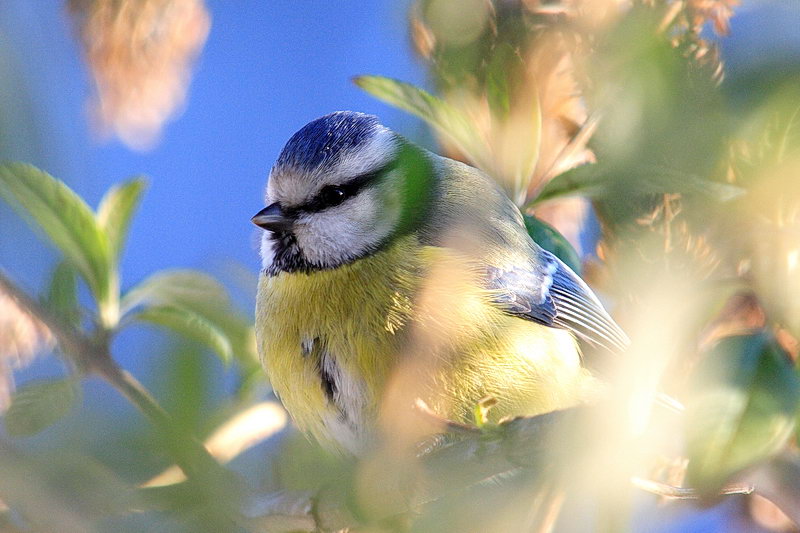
x,y
347,231
267,250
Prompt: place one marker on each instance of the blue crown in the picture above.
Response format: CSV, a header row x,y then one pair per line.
x,y
320,142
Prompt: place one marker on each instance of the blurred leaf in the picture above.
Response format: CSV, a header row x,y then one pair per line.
x,y
744,401
498,71
774,128
191,325
595,181
62,296
180,288
235,435
444,118
185,378
39,405
786,133
551,240
530,138
661,179
90,486
116,209
579,181
304,465
203,296
60,490
64,217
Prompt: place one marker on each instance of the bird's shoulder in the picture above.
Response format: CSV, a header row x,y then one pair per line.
x,y
474,216
468,200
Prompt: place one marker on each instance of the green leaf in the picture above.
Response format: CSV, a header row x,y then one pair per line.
x,y
191,325
661,179
551,240
62,297
116,209
36,406
49,205
502,64
583,180
202,295
742,408
444,118
177,288
594,181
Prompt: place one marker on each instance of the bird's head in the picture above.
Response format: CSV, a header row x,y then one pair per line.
x,y
338,191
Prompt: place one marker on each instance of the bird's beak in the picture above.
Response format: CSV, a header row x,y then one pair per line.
x,y
272,218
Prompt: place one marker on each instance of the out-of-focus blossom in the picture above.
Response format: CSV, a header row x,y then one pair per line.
x,y
717,12
684,23
140,54
768,515
521,97
22,337
527,52
520,93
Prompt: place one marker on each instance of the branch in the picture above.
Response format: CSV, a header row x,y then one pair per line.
x,y
684,493
471,458
94,357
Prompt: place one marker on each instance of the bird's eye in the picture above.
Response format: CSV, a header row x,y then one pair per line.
x,y
332,195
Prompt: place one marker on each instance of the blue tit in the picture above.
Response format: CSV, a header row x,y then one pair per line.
x,y
380,257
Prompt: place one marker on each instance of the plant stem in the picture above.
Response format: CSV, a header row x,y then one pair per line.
x,y
131,389
93,356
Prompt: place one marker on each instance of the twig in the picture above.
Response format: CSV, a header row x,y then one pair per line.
x,y
470,459
684,493
473,457
447,425
94,357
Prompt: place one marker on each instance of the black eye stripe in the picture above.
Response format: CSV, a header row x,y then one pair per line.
x,y
333,195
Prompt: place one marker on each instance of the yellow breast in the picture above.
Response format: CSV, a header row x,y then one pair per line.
x,y
356,314
333,341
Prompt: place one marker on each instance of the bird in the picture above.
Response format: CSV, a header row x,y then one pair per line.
x,y
378,258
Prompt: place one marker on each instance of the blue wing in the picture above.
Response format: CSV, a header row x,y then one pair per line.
x,y
548,292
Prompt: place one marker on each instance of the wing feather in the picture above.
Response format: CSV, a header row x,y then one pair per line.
x,y
546,291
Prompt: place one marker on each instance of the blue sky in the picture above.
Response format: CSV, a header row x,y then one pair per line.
x,y
267,69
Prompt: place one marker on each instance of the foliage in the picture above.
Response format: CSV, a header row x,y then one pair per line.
x,y
744,401
622,109
692,187
39,405
188,303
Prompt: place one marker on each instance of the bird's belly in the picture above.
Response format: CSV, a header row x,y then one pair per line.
x,y
328,339
331,342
